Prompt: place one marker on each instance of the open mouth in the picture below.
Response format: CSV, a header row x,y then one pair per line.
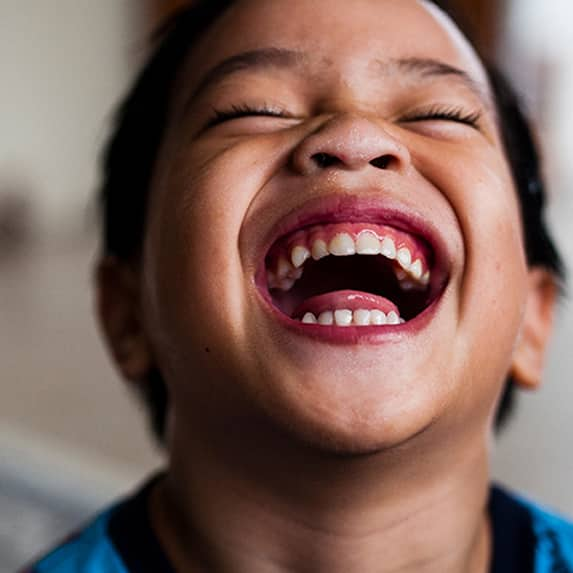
x,y
352,275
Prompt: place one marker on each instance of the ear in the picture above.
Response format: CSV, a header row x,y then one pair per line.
x,y
529,354
119,311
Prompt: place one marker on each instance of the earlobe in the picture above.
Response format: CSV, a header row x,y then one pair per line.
x,y
120,315
529,354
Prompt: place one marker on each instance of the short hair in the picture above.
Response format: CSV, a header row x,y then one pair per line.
x,y
131,156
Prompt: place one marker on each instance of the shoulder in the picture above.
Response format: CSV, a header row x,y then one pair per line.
x,y
89,551
553,536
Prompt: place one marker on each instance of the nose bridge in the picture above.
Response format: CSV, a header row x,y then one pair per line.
x,y
350,141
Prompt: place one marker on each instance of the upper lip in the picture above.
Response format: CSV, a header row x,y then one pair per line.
x,y
364,207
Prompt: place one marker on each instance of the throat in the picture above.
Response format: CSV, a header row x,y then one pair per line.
x,y
427,530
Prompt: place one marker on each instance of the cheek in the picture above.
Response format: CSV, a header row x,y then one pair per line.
x,y
493,283
495,267
477,183
194,274
491,280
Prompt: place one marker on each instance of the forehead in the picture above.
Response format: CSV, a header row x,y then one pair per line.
x,y
346,35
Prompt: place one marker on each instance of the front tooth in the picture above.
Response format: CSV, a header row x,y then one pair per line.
x,y
342,245
319,249
388,248
404,257
416,269
393,318
378,318
362,317
309,318
426,278
326,318
299,255
284,269
368,244
343,317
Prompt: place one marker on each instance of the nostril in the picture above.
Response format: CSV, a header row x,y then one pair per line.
x,y
325,160
382,162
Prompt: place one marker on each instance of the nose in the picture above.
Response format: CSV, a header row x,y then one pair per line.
x,y
350,142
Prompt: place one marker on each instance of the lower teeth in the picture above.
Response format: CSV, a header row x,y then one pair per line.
x,y
360,317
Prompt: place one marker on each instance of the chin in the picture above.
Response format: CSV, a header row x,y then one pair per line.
x,y
335,420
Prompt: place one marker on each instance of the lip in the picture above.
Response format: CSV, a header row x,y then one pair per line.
x,y
368,207
371,207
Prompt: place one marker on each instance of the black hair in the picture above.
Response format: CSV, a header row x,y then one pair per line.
x,y
130,158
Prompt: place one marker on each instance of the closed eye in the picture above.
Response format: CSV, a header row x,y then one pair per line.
x,y
239,111
451,114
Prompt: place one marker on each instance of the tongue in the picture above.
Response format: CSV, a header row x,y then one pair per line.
x,y
344,300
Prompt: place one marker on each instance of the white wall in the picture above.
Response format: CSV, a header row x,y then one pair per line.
x,y
63,64
539,53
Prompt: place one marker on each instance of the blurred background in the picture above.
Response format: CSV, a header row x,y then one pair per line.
x,y
71,436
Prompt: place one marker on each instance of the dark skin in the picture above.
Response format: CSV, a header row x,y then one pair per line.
x,y
288,452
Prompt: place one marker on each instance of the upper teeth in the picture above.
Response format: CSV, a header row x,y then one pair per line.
x,y
388,248
342,245
319,249
410,271
299,255
404,257
368,244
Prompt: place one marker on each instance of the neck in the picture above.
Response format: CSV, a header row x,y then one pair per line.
x,y
286,509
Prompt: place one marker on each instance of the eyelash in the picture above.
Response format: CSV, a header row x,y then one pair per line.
x,y
438,113
242,110
435,113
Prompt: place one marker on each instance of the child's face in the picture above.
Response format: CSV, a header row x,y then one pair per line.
x,y
372,130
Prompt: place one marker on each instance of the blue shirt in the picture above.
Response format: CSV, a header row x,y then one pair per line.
x,y
526,539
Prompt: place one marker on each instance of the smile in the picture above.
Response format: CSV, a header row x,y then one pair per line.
x,y
366,270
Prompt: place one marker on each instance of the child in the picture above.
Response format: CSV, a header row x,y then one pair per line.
x,y
324,261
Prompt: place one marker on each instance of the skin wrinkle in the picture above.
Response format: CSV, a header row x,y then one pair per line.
x,y
271,430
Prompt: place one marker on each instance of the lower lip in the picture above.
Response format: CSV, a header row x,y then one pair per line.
x,y
354,335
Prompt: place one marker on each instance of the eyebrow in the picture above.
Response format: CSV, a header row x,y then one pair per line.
x,y
281,58
431,68
253,60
